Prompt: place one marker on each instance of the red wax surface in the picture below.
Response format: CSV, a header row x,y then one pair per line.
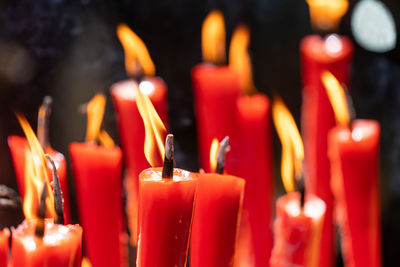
x,y
4,247
297,231
216,220
98,182
18,147
216,89
333,53
165,218
355,184
251,154
131,133
61,246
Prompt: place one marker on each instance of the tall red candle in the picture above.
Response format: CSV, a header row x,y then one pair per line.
x,y
331,53
98,181
216,220
355,184
60,246
165,217
4,247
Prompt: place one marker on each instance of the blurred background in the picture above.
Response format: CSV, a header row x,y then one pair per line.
x,y
69,50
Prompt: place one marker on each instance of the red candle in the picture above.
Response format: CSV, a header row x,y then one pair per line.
x,y
98,181
60,246
332,53
165,217
4,247
297,231
354,158
216,220
18,147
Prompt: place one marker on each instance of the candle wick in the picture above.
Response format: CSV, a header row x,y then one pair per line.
x,y
58,196
301,188
139,74
169,161
39,230
43,121
350,106
223,148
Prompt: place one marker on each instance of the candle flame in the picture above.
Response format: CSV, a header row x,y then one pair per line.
x,y
155,130
214,154
337,97
292,145
326,14
35,173
86,262
239,58
213,38
105,139
137,57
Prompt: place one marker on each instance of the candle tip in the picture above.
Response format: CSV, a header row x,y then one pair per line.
x,y
39,231
58,197
168,167
43,121
223,148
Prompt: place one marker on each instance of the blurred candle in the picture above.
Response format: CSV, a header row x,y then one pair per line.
x,y
354,154
216,89
130,125
334,53
4,247
97,173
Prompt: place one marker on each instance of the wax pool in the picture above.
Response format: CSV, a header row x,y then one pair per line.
x,y
4,247
98,181
297,231
165,217
216,220
60,246
355,184
332,53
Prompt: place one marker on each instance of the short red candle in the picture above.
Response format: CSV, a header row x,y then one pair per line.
x,y
355,184
216,89
131,132
165,217
297,231
4,247
216,220
18,147
61,246
332,53
98,182
251,155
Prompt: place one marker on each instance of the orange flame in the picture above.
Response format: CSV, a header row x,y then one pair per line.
x,y
214,154
95,113
35,173
239,58
292,145
86,262
213,38
326,14
137,57
336,97
155,130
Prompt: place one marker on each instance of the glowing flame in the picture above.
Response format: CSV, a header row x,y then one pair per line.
x,y
239,58
35,173
214,154
105,139
326,14
213,38
337,97
155,130
292,145
95,113
86,262
137,57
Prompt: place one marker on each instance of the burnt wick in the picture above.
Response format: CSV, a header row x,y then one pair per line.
x,y
58,197
223,148
169,161
301,188
44,121
39,230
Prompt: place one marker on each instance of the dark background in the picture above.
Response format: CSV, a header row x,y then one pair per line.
x,y
69,50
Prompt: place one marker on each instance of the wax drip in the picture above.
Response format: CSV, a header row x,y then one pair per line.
x,y
43,121
223,148
58,196
39,230
169,161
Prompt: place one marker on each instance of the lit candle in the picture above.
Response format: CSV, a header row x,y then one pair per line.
x,y
216,218
97,173
353,151
130,126
300,216
4,247
334,53
216,89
